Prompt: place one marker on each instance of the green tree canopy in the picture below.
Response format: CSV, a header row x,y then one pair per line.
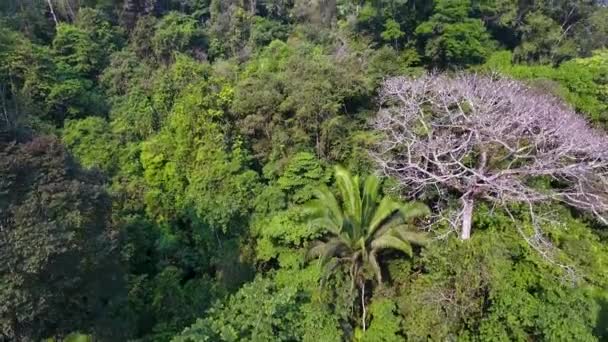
x,y
60,270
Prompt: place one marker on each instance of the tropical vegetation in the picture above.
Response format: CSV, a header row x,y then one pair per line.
x,y
238,170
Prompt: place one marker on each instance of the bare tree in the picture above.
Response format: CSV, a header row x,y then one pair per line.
x,y
489,138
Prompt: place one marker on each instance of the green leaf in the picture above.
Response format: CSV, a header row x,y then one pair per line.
x,y
392,242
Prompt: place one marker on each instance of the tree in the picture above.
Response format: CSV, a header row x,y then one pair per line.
x,y
386,325
175,32
302,174
81,51
26,76
361,227
317,12
593,33
59,270
265,310
489,139
92,142
83,48
392,32
292,96
452,38
496,287
228,28
543,40
375,17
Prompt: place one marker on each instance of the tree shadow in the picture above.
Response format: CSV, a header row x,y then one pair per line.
x,y
601,328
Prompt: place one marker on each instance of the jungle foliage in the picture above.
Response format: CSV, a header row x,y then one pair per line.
x,y
200,170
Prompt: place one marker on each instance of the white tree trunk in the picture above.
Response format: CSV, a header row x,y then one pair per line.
x,y
363,305
467,217
52,11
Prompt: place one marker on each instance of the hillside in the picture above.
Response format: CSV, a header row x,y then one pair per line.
x,y
303,170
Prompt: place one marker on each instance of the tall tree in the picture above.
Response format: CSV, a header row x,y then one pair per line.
x,y
451,37
361,227
59,269
490,139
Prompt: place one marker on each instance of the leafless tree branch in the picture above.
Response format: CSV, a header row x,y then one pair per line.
x,y
489,138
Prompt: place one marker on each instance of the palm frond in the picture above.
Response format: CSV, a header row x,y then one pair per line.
x,y
326,250
328,270
371,190
393,221
406,233
383,212
373,261
391,242
324,210
351,228
349,189
326,222
413,210
327,198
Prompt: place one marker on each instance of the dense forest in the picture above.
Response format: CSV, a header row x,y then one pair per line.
x,y
303,170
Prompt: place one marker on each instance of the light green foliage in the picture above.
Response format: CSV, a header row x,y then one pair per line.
x,y
142,98
92,142
362,225
262,311
75,337
187,163
81,50
451,37
280,233
26,75
386,325
582,82
84,47
499,288
303,173
392,32
76,50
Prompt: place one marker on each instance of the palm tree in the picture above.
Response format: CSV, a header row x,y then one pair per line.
x,y
360,226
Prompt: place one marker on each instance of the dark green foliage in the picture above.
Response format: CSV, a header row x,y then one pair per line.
x,y
292,96
543,41
60,268
265,31
452,38
176,32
